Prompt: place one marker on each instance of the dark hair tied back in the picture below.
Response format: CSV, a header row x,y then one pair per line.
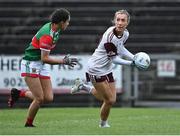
x,y
60,15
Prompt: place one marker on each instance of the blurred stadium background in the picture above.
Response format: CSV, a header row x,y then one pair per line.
x,y
154,28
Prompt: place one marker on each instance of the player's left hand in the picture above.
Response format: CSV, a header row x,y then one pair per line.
x,y
67,60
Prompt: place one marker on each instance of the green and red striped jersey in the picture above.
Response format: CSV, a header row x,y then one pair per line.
x,y
45,39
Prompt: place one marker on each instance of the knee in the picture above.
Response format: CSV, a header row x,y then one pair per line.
x,y
113,101
39,100
110,102
48,99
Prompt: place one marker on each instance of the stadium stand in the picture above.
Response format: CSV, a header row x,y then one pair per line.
x,y
153,27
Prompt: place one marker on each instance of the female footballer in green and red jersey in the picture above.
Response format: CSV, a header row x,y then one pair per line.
x,y
34,65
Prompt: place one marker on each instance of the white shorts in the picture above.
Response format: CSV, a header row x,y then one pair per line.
x,y
35,69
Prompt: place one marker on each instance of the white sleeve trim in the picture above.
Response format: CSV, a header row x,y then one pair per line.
x,y
44,49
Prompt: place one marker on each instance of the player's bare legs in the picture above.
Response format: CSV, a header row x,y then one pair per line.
x,y
95,93
99,96
103,91
47,90
29,94
107,92
34,85
15,94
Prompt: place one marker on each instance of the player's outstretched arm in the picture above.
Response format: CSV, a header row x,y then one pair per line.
x,y
67,60
120,61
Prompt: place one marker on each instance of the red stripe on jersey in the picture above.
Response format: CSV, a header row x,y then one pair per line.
x,y
46,42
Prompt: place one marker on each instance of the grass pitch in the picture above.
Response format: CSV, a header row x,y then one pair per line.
x,y
84,121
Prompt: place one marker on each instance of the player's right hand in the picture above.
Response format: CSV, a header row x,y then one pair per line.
x,y
67,60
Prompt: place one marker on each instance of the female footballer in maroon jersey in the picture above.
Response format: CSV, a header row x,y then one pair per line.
x,y
99,68
34,65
